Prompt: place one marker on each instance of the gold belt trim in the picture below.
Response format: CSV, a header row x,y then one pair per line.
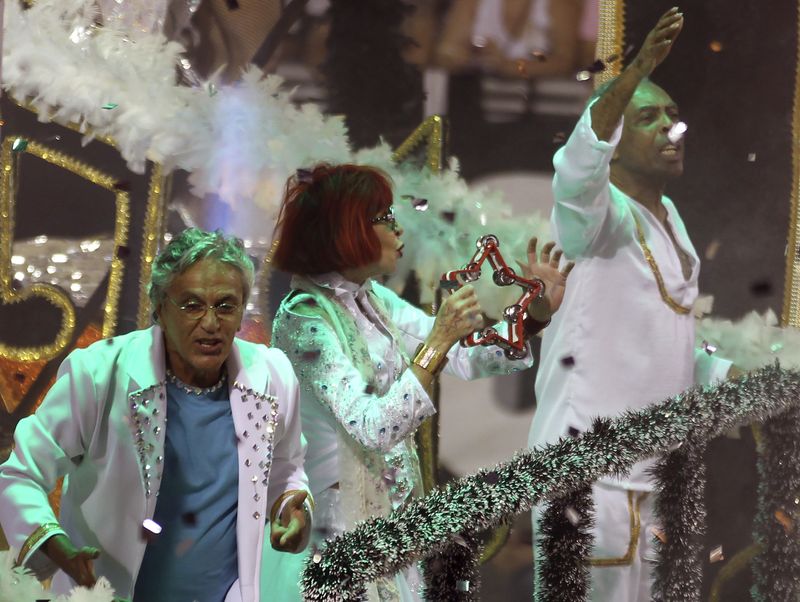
x,y
633,544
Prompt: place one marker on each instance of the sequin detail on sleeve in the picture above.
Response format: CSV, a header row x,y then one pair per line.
x,y
376,416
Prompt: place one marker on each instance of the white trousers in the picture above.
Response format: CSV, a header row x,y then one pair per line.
x,y
623,554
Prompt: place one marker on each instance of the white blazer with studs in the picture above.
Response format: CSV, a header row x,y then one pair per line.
x,y
102,426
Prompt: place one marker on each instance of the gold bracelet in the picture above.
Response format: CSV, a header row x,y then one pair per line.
x,y
38,535
429,359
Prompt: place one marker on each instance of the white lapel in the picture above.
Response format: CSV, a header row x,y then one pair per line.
x,y
255,416
145,363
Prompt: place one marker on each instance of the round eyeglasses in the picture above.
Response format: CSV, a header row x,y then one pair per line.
x,y
195,310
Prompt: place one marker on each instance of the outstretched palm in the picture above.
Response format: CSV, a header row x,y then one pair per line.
x,y
546,270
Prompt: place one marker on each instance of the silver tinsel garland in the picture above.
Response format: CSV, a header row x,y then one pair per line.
x,y
680,505
470,505
564,546
452,574
776,569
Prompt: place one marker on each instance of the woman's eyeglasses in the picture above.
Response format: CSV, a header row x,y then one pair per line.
x,y
387,218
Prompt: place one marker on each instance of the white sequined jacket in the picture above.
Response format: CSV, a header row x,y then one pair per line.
x,y
103,425
360,403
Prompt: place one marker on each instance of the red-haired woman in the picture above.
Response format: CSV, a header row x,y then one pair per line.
x,y
365,358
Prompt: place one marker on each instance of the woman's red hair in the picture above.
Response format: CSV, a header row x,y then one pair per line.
x,y
325,221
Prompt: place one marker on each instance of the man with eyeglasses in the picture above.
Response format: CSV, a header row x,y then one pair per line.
x,y
165,510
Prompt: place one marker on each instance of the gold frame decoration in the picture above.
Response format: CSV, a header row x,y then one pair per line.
x,y
12,151
610,39
431,132
791,289
154,226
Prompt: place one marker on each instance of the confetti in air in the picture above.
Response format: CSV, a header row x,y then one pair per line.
x,y
150,530
572,516
416,202
677,132
761,288
151,526
712,249
479,41
785,520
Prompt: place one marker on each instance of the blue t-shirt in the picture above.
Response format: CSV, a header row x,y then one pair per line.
x,y
194,558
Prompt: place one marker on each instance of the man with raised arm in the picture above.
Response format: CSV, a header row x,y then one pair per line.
x,y
624,337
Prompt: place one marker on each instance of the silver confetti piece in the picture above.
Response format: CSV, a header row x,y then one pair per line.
x,y
677,131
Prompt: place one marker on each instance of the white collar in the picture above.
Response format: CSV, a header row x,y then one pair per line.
x,y
340,286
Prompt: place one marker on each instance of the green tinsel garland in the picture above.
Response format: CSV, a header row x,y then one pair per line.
x,y
470,505
776,570
680,505
564,545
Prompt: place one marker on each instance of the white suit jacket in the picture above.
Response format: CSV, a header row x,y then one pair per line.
x,y
102,424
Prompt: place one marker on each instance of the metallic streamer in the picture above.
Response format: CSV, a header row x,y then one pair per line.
x,y
472,504
680,506
564,543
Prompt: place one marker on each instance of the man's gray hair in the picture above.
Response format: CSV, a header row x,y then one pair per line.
x,y
189,247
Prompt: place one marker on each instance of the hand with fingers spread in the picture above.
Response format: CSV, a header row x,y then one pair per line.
x,y
659,42
75,562
459,315
555,280
288,531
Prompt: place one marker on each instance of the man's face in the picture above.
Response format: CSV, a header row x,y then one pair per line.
x,y
645,151
198,339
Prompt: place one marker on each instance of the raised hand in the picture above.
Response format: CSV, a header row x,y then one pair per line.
x,y
546,270
288,531
659,42
458,316
77,563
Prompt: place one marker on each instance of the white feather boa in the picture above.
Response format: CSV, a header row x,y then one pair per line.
x,y
753,341
238,142
18,585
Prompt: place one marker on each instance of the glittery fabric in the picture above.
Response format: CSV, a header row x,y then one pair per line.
x,y
355,370
357,392
475,503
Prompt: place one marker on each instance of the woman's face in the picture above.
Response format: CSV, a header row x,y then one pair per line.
x,y
388,232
